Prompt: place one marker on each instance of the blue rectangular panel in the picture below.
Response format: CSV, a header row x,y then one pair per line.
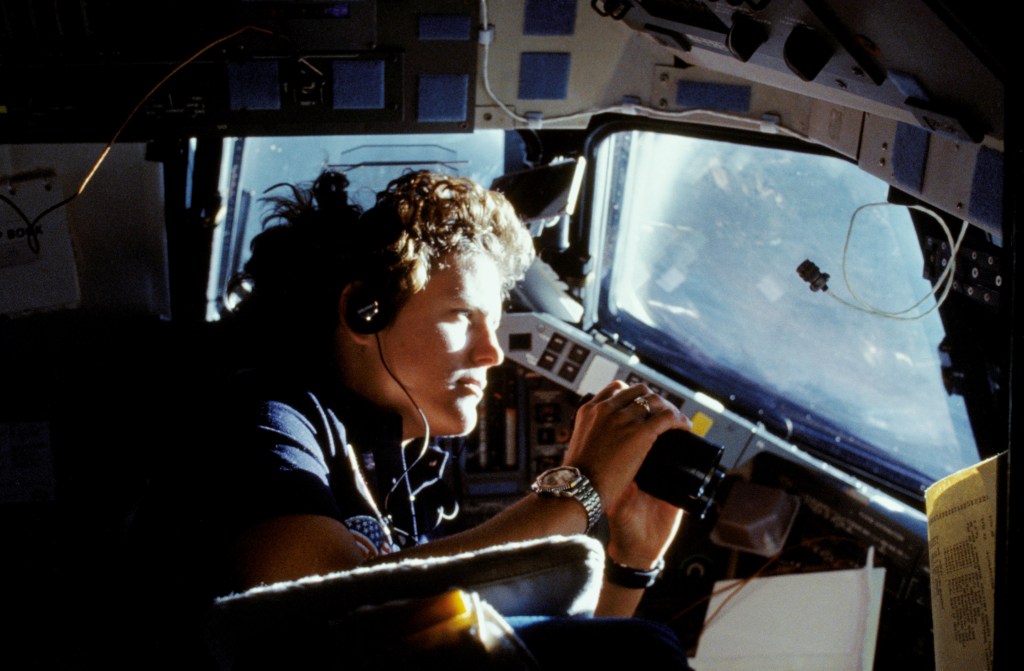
x,y
254,86
358,85
986,206
909,154
443,98
708,95
543,75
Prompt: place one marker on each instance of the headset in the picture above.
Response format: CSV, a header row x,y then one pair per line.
x,y
372,306
371,303
367,310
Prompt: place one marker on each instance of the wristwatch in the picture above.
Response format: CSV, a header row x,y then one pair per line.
x,y
568,482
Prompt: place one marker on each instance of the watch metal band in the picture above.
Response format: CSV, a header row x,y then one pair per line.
x,y
580,489
591,501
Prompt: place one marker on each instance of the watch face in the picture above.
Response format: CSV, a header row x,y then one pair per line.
x,y
562,476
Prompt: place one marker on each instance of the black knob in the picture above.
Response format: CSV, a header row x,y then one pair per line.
x,y
745,36
806,52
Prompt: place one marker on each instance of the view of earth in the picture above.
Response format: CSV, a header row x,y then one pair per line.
x,y
706,248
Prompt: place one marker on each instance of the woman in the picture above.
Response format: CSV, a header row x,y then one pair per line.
x,y
371,333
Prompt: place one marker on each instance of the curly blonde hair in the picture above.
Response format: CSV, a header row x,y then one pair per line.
x,y
442,217
316,243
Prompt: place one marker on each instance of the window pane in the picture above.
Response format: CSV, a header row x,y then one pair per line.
x,y
705,242
255,164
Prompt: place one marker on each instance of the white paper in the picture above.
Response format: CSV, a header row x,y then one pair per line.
x,y
37,270
826,620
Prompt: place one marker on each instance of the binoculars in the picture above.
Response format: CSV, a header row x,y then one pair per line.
x,y
683,469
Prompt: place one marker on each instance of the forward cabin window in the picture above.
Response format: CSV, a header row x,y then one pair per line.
x,y
698,263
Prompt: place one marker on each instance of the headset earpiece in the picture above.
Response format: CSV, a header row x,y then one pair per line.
x,y
366,312
371,303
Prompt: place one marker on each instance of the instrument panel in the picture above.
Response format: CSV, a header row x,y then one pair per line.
x,y
818,517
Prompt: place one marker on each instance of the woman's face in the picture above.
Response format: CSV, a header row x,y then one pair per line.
x,y
439,347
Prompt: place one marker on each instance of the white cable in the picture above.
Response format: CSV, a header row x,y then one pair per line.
x,y
946,278
404,477
943,283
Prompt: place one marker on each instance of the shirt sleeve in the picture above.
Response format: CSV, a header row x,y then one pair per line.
x,y
279,461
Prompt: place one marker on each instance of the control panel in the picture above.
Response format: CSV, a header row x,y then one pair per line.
x,y
585,364
831,519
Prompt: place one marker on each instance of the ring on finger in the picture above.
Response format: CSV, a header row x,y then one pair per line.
x,y
645,404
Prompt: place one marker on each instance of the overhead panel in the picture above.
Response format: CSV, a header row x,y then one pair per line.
x,y
909,58
79,71
927,74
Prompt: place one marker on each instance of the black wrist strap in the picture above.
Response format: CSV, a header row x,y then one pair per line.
x,y
629,577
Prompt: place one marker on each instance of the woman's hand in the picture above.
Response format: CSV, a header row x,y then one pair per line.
x,y
641,528
612,435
